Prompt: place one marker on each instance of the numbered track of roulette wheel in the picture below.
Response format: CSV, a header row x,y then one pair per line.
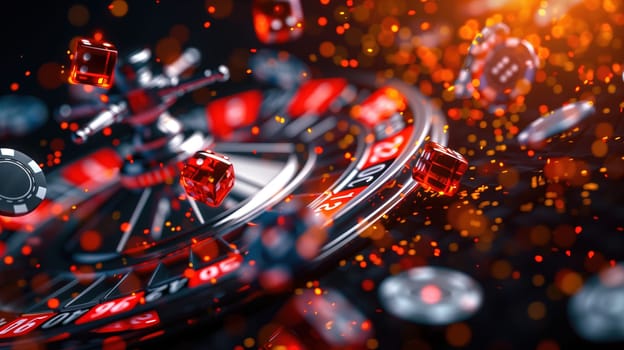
x,y
110,262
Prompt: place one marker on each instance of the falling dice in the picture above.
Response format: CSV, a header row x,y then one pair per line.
x,y
277,21
439,169
208,177
93,63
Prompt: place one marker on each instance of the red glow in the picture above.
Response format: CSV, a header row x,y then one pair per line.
x,y
111,308
431,294
26,250
368,285
53,303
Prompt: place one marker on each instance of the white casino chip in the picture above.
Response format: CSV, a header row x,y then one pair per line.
x,y
431,295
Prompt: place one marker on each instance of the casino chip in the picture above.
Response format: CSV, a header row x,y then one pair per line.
x,y
23,184
596,312
281,241
431,295
278,68
21,114
498,67
555,122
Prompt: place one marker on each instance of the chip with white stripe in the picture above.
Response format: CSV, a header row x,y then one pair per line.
x,y
431,295
22,184
499,68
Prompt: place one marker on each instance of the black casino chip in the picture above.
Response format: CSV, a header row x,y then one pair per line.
x,y
503,66
507,71
23,185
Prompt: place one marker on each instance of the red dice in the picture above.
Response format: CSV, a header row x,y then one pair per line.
x,y
93,63
439,169
208,177
277,21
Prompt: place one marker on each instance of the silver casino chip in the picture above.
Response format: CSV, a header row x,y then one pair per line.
x,y
431,295
596,312
555,122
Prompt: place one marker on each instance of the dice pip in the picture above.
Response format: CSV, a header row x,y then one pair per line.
x,y
93,63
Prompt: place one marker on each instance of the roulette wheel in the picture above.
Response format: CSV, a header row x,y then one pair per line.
x,y
326,239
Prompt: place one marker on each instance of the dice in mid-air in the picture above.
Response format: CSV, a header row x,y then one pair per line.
x,y
277,21
439,169
208,177
93,63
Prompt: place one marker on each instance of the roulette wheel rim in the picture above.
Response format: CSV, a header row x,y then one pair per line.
x,y
343,227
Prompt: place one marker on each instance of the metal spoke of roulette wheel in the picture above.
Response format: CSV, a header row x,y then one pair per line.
x,y
118,246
